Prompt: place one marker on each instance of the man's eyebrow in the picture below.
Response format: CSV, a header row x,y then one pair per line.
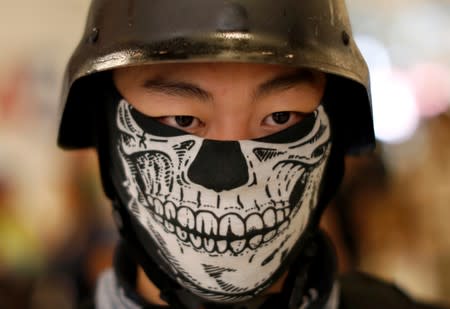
x,y
177,88
285,82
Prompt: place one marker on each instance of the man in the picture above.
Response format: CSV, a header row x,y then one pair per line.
x,y
221,128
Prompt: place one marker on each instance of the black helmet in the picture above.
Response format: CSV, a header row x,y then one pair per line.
x,y
311,34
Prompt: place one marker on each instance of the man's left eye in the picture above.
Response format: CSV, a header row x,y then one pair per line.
x,y
281,117
184,121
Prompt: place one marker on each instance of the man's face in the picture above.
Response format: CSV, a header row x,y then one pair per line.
x,y
224,205
222,101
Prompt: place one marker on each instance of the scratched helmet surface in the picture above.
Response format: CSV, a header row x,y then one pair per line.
x,y
311,34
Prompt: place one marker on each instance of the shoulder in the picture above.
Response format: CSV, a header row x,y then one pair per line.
x,y
360,290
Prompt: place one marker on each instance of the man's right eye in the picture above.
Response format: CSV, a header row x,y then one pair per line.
x,y
182,122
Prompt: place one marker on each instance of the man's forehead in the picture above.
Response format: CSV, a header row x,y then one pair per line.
x,y
260,75
204,81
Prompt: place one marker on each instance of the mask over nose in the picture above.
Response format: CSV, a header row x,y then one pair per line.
x,y
221,216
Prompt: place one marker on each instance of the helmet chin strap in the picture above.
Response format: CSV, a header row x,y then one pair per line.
x,y
136,251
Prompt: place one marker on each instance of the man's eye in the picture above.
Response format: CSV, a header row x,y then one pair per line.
x,y
281,120
184,121
281,117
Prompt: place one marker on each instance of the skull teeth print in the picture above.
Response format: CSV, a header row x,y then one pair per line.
x,y
230,232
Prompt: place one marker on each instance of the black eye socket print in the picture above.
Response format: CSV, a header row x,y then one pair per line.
x,y
293,133
152,126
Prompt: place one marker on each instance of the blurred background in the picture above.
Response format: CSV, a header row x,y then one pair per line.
x,y
390,218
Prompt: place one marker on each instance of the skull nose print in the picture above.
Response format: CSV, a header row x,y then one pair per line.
x,y
219,166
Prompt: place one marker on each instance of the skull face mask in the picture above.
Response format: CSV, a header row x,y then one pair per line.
x,y
223,215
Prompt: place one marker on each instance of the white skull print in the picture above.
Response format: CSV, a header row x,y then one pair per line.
x,y
224,242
